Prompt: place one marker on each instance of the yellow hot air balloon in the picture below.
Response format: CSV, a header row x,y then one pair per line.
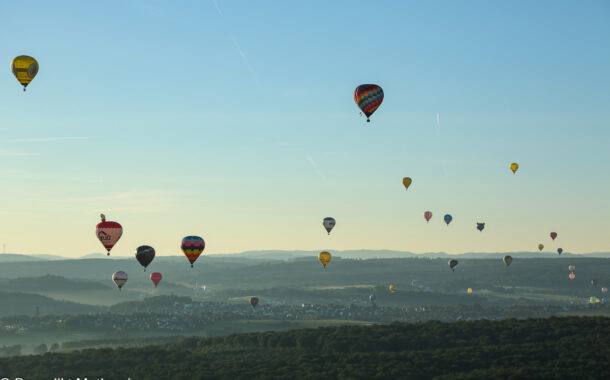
x,y
324,257
25,69
392,289
469,290
407,182
514,167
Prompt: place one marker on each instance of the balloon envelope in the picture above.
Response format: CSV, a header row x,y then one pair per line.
x,y
428,215
469,290
453,264
480,226
448,218
324,257
553,235
145,255
119,278
572,276
192,247
406,182
368,97
253,301
514,167
108,233
507,260
156,278
571,268
540,247
329,224
24,68
560,250
593,282
392,289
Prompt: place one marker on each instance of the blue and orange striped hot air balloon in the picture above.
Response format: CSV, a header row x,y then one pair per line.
x,y
368,97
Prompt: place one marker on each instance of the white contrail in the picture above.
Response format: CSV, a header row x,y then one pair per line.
x,y
237,47
315,167
438,123
312,162
217,7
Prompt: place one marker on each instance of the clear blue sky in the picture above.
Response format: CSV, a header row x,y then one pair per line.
x,y
235,120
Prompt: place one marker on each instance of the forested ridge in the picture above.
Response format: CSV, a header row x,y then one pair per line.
x,y
554,348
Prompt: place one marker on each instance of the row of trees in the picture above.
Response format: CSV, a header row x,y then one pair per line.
x,y
555,348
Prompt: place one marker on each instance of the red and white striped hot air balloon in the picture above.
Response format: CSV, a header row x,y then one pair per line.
x,y
109,233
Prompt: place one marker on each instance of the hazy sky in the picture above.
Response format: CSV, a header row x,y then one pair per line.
x,y
235,121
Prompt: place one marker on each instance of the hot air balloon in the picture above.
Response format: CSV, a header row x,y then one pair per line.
x,y
192,246
156,277
428,215
253,301
368,97
572,276
392,289
553,235
540,247
119,278
24,68
448,218
571,268
145,255
329,224
109,233
560,250
373,297
469,291
605,290
406,182
593,282
324,258
453,264
507,260
514,167
480,226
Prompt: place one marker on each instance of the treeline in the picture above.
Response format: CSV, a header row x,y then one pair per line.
x,y
557,348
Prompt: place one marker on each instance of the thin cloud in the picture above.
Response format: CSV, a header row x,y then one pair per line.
x,y
13,153
46,139
131,196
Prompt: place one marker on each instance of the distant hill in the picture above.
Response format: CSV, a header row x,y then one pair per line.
x,y
555,348
387,254
287,255
14,303
50,283
15,257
